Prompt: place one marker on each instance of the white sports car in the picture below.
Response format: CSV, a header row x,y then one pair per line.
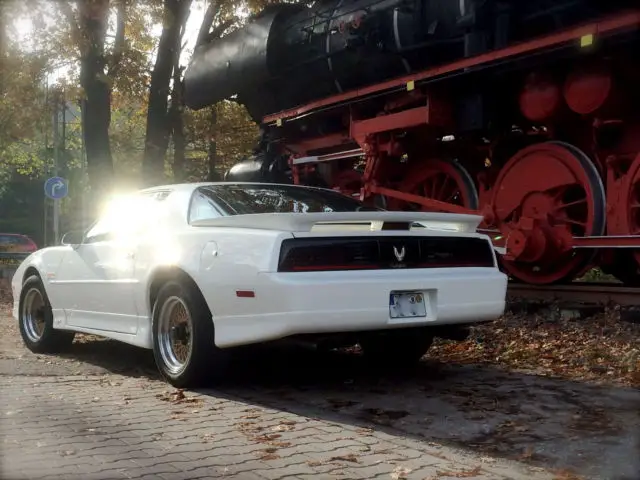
x,y
191,270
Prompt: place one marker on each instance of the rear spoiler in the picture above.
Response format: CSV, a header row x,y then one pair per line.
x,y
304,222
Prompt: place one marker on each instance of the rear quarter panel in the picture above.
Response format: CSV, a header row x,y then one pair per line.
x,y
219,260
232,261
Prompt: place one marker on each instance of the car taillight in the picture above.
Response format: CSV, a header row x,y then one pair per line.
x,y
377,253
455,252
327,254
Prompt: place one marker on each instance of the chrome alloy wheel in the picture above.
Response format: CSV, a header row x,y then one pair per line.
x,y
175,334
33,314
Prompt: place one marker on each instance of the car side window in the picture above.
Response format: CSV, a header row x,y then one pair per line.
x,y
99,232
127,217
202,207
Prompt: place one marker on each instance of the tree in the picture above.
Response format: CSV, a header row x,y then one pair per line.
x,y
176,119
22,77
216,20
109,66
88,30
176,13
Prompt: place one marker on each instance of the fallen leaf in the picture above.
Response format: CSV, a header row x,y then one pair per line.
x,y
280,444
269,456
400,472
282,428
345,458
461,474
266,437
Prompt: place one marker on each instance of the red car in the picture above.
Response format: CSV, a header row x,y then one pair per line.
x,y
16,243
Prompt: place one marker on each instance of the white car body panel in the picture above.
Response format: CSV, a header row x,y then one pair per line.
x,y
104,287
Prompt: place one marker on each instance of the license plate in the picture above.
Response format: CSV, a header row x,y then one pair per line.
x,y
407,305
10,261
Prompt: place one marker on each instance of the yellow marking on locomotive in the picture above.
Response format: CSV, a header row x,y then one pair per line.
x,y
586,40
411,85
279,122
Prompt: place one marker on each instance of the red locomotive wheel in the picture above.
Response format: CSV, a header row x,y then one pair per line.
x,y
632,192
627,263
543,196
443,180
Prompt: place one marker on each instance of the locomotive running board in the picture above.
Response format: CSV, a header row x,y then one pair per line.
x,y
329,157
304,222
613,241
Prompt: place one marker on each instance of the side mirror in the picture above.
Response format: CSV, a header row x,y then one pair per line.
x,y
75,237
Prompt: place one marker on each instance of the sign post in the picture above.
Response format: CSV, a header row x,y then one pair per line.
x,y
56,188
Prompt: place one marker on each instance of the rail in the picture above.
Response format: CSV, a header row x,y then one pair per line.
x,y
578,292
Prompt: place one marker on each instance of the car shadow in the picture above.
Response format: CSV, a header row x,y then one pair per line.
x,y
559,424
111,356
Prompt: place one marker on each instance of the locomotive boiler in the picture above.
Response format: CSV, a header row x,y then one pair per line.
x,y
291,54
523,111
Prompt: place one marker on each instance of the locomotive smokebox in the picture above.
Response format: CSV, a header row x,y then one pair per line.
x,y
234,63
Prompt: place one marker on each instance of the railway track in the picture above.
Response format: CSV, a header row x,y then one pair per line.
x,y
589,293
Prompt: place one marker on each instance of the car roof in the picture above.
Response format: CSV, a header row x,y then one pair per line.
x,y
186,187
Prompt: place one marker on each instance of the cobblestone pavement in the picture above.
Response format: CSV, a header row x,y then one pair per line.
x,y
100,412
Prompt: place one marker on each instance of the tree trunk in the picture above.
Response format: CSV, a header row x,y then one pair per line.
x,y
96,105
206,34
158,122
177,125
212,157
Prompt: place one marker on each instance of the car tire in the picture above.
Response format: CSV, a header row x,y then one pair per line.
x,y
35,319
203,361
396,347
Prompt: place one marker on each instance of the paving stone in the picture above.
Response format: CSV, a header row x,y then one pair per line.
x,y
101,426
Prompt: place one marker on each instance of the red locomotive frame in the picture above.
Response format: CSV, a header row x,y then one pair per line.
x,y
567,197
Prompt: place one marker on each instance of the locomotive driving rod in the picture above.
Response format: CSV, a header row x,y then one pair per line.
x,y
610,241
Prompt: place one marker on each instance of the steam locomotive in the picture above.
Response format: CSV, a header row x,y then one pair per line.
x,y
333,86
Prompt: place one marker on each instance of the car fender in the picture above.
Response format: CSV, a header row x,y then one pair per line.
x,y
46,262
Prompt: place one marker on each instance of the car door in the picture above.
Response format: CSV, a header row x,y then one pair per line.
x,y
97,277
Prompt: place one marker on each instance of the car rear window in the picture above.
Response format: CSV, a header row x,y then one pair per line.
x,y
262,198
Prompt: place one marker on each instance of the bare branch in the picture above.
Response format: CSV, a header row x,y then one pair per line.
x,y
119,42
219,30
207,22
67,11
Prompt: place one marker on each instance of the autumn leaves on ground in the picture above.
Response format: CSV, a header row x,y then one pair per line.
x,y
601,348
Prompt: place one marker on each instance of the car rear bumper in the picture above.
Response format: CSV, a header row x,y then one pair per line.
x,y
331,302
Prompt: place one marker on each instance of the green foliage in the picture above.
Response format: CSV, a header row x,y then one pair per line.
x,y
52,49
235,135
21,121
